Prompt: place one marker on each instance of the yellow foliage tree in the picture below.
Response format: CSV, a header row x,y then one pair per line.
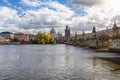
x,y
44,38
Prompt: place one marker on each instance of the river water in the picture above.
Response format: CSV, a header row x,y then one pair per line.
x,y
55,62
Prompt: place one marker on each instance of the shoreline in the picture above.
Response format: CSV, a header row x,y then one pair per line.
x,y
115,60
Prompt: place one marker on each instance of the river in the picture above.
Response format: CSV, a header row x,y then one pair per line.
x,y
55,62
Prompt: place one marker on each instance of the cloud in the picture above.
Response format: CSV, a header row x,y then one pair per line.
x,y
6,13
53,14
48,14
89,3
31,3
100,13
46,18
57,6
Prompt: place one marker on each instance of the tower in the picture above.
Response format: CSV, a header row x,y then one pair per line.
x,y
115,30
94,30
67,33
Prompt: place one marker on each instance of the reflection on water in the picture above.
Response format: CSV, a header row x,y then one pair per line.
x,y
55,62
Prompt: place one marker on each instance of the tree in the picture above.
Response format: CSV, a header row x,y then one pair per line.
x,y
15,40
33,41
44,38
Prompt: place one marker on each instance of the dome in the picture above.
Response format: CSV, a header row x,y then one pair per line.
x,y
52,30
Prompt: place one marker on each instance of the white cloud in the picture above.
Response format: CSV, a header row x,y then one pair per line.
x,y
45,17
6,13
31,3
57,6
54,14
100,13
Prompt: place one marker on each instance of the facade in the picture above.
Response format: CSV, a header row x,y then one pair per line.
x,y
67,33
53,34
22,37
4,40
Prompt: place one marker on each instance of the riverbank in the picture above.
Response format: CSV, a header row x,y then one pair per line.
x,y
115,60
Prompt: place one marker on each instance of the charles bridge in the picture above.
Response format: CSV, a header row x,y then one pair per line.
x,y
105,40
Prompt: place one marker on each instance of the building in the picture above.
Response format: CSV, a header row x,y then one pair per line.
x,y
4,40
22,37
116,31
67,33
7,35
60,36
94,33
93,41
53,34
103,41
115,42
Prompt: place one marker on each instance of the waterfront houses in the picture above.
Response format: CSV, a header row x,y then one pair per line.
x,y
4,40
22,37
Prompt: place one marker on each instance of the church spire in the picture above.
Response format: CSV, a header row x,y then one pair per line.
x,y
94,30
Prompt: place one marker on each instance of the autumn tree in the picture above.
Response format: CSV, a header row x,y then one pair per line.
x,y
44,38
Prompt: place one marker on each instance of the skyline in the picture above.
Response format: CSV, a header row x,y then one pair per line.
x,y
42,15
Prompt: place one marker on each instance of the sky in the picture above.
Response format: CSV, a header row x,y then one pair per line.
x,y
33,16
